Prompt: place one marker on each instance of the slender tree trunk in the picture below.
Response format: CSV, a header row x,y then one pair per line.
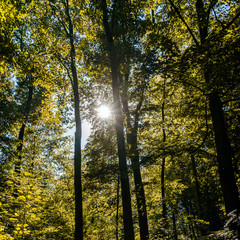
x,y
134,156
78,133
22,130
118,188
164,206
126,196
140,195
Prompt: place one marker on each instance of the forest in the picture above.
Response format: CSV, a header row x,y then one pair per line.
x,y
158,83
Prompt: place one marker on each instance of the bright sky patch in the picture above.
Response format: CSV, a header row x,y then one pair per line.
x,y
104,111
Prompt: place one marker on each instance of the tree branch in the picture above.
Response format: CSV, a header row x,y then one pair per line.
x,y
113,14
105,22
61,60
124,100
231,22
59,19
138,108
212,4
184,22
64,26
215,15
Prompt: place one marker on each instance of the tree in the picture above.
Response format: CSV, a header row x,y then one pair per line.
x,y
62,11
126,197
202,46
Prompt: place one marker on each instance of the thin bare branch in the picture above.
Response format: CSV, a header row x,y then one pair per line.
x,y
61,60
215,15
138,108
232,21
64,26
59,19
184,22
211,6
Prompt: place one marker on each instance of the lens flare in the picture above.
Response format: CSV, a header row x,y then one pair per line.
x,y
104,112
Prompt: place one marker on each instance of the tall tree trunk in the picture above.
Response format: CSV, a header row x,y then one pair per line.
x,y
134,156
126,196
225,166
22,130
117,215
140,195
164,206
227,178
78,133
223,146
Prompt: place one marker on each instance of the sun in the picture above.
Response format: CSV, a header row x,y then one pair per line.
x,y
104,111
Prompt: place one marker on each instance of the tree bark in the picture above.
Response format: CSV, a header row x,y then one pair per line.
x,y
140,195
126,196
164,206
223,146
222,142
78,133
134,156
224,157
117,215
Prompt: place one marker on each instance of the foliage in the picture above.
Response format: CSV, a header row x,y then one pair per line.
x,y
162,61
